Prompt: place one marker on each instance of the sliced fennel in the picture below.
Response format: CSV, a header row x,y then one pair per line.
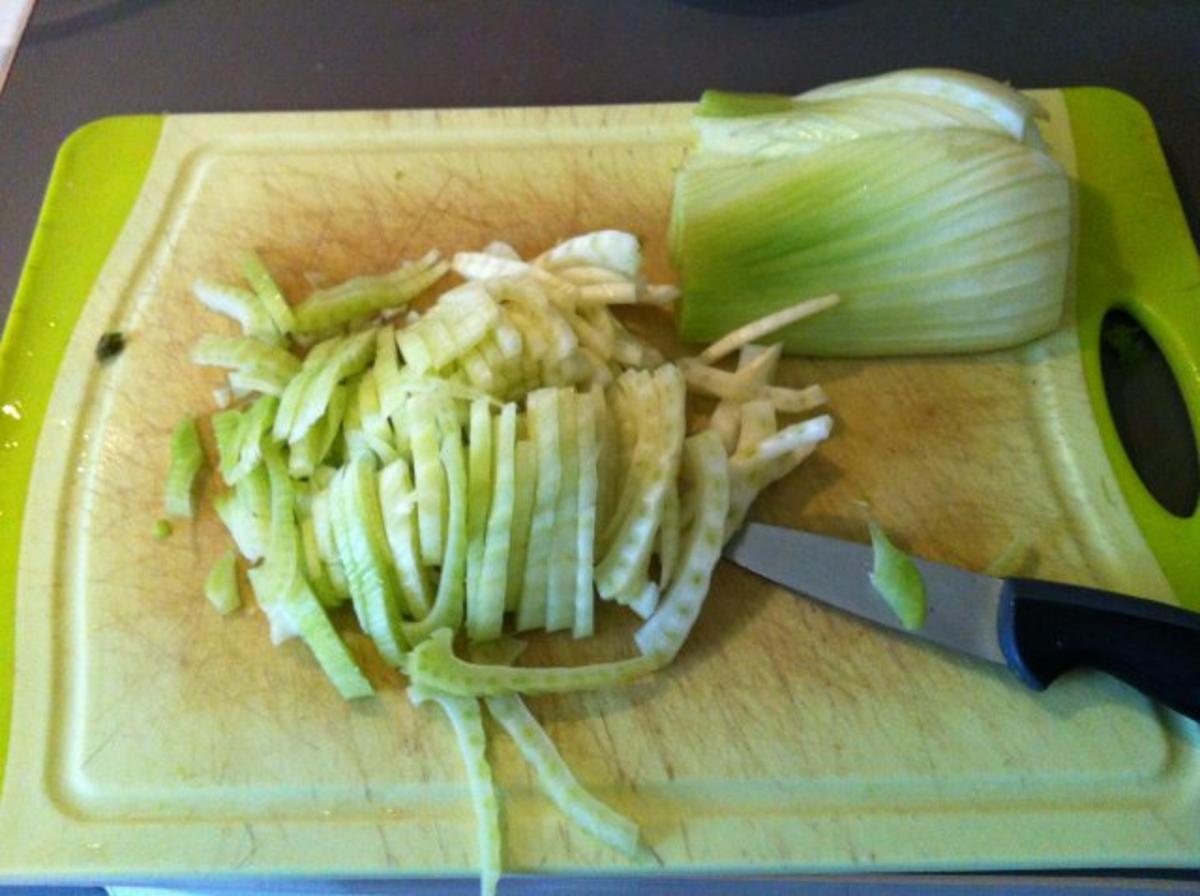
x,y
307,617
289,401
560,590
221,586
362,548
556,779
585,513
479,498
613,250
398,502
268,293
467,721
366,296
707,469
187,457
350,355
524,486
474,515
433,664
496,460
268,368
486,616
448,605
430,478
242,305
285,595
328,591
542,419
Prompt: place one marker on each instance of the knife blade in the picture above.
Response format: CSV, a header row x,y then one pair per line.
x,y
1037,629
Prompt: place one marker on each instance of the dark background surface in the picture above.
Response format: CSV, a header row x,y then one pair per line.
x,y
85,59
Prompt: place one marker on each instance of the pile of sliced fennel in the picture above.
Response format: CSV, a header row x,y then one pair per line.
x,y
925,198
493,464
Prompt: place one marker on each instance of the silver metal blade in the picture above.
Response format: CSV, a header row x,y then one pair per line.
x,y
962,605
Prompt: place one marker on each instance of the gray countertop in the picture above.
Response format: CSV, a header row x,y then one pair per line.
x,y
85,59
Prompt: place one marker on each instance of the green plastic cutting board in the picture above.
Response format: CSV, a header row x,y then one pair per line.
x,y
154,739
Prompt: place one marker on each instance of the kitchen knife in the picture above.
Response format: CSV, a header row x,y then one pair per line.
x,y
1037,629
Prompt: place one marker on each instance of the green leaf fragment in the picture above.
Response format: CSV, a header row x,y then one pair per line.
x,y
897,580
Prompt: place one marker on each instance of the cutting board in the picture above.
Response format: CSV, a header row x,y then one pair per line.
x,y
151,738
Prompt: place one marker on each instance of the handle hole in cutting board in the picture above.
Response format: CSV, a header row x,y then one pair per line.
x,y
1149,413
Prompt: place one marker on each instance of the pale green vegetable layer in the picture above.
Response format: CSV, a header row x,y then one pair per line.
x,y
467,720
221,586
557,780
924,200
187,457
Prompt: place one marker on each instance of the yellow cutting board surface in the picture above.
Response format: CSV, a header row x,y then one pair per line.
x,y
153,737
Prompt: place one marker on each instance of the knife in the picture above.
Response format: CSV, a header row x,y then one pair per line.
x,y
1036,629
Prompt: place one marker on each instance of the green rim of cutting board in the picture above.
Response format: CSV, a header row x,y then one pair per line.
x,y
1118,157
81,218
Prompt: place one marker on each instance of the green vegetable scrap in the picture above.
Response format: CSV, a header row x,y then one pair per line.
x,y
897,580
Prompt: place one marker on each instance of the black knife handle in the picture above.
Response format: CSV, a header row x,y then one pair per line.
x,y
1048,628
